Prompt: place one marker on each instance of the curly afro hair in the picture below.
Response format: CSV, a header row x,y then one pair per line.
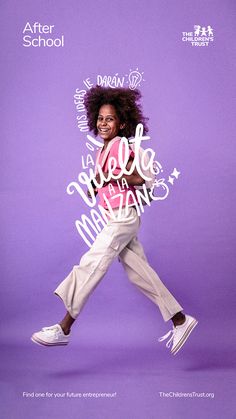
x,y
125,102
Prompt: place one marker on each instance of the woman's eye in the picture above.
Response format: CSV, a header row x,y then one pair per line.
x,y
100,119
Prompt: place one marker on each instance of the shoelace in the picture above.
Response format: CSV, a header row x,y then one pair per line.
x,y
172,331
53,331
55,326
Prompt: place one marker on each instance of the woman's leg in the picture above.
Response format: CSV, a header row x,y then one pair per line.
x,y
148,282
66,323
76,288
178,319
146,279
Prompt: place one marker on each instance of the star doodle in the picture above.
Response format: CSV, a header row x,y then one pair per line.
x,y
171,180
175,173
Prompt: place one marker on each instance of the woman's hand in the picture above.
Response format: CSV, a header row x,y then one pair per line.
x,y
89,194
98,179
94,190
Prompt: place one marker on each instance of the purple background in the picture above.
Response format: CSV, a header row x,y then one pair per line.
x,y
189,237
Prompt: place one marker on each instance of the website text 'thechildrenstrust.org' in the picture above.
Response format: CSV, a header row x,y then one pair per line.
x,y
191,395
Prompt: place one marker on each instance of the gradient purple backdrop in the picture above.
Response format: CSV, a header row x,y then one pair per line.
x,y
189,238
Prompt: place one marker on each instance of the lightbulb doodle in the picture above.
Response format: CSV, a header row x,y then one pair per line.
x,y
134,79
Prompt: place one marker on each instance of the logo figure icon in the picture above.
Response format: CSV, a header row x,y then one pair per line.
x,y
203,31
197,29
210,30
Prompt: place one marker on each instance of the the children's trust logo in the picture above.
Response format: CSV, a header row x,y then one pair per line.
x,y
201,36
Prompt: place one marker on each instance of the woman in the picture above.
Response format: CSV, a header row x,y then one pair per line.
x,y
112,114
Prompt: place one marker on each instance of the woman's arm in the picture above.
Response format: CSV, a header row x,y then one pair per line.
x,y
134,179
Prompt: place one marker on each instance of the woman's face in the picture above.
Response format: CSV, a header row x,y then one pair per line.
x,y
108,123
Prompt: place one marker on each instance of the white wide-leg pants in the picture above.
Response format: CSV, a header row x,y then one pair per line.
x,y
118,238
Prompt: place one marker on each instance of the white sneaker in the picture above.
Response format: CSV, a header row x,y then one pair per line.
x,y
179,334
51,336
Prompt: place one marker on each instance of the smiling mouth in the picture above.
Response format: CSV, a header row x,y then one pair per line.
x,y
103,130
